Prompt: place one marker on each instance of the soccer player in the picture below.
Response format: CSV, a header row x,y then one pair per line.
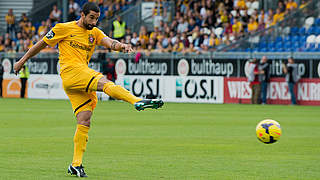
x,y
77,40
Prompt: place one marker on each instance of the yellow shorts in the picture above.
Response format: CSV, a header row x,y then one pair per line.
x,y
80,84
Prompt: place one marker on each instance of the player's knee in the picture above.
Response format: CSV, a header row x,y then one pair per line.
x,y
101,83
84,117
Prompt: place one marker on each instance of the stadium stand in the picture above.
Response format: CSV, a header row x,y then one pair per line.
x,y
196,26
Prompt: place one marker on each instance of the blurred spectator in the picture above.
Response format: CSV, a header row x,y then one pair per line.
x,y
13,47
1,77
262,16
30,30
269,22
109,71
228,28
117,8
303,4
134,39
291,5
183,25
7,44
253,79
241,4
20,46
143,34
252,26
55,14
42,30
261,25
10,19
265,77
74,10
27,44
206,43
237,26
292,77
278,16
118,28
1,43
24,18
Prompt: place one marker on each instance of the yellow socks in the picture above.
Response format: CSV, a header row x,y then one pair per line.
x,y
80,143
120,93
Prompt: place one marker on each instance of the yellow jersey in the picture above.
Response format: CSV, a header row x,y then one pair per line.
x,y
291,5
76,44
252,26
10,19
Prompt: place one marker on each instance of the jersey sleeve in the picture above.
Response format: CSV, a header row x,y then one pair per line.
x,y
100,35
55,35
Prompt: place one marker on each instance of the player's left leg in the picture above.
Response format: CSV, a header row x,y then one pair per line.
x,y
118,92
83,104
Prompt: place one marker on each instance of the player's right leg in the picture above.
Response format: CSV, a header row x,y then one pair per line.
x,y
121,93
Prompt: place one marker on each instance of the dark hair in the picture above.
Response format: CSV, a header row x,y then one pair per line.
x,y
90,6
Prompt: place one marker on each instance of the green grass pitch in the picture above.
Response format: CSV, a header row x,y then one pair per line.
x,y
179,141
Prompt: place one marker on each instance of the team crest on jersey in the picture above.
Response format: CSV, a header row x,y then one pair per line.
x,y
91,38
50,34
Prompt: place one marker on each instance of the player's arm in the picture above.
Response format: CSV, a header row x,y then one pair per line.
x,y
30,53
116,45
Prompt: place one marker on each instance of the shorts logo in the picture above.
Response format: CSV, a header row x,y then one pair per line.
x,y
91,38
50,34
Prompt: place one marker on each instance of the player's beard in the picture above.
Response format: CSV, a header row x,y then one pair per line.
x,y
88,26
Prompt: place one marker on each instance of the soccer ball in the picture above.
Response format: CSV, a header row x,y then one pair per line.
x,y
268,131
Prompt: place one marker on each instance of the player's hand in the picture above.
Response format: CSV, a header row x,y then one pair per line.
x,y
17,66
127,48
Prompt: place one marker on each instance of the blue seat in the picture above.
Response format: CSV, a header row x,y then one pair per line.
x,y
271,45
295,38
280,50
311,30
278,39
262,45
317,30
287,38
272,50
314,49
302,31
296,45
248,50
294,30
279,45
288,45
302,39
317,23
255,50
263,50
263,39
310,47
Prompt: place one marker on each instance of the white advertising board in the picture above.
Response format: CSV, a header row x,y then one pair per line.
x,y
146,11
203,89
46,87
